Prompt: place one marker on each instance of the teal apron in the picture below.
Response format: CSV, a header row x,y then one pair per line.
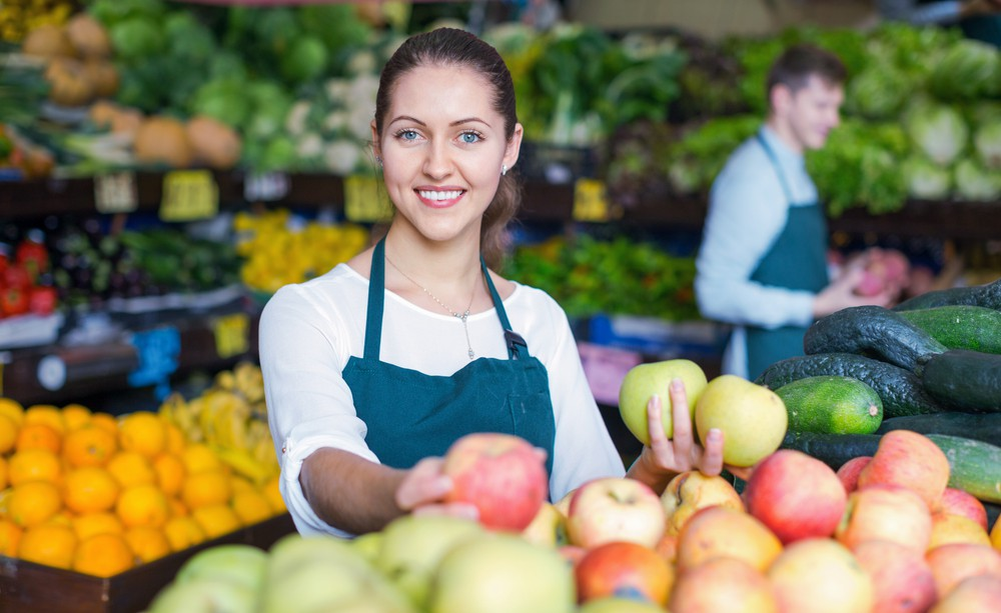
x,y
797,260
411,415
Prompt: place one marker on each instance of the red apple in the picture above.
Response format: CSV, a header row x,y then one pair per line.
x,y
981,593
911,460
885,513
721,531
955,562
622,568
795,495
615,509
820,575
692,490
723,584
501,475
667,548
902,579
957,502
948,528
849,471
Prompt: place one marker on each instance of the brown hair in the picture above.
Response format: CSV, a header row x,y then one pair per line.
x,y
798,63
453,47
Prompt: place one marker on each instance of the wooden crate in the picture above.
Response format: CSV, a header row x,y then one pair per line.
x,y
27,587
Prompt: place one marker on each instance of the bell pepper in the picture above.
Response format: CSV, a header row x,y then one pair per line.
x,y
13,301
42,299
33,256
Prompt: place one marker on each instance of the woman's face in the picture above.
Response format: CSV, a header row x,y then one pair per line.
x,y
443,148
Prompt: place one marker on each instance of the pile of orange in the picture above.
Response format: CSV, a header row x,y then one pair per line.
x,y
100,494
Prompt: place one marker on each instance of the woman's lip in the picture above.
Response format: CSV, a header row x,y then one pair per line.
x,y
439,197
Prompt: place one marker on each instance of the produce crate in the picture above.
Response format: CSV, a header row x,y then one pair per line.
x,y
27,587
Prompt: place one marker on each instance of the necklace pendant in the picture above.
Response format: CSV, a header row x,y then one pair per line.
x,y
471,354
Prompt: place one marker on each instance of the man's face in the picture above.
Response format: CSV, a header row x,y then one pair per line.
x,y
811,112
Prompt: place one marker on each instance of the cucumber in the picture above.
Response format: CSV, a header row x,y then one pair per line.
x,y
975,466
964,380
988,295
871,331
981,427
900,390
961,326
832,404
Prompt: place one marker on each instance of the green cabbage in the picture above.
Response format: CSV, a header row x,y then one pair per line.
x,y
939,131
976,183
925,179
987,140
970,69
878,92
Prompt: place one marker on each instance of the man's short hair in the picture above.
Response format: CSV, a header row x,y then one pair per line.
x,y
798,63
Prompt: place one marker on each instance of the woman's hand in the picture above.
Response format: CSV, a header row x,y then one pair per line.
x,y
664,458
424,488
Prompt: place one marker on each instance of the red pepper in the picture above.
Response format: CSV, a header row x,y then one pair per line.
x,y
3,262
42,299
13,301
17,277
33,256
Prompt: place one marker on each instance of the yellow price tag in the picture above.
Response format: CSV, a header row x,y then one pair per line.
x,y
232,335
590,200
189,195
364,201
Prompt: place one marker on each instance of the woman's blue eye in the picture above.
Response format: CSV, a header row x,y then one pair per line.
x,y
470,137
408,135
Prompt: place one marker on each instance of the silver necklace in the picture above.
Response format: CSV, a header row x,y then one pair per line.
x,y
463,317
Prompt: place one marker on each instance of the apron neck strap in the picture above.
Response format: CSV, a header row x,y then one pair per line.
x,y
515,343
775,164
376,301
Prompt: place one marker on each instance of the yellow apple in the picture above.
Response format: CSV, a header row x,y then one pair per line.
x,y
752,417
654,378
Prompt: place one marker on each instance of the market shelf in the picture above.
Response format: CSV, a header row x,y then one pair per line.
x,y
542,202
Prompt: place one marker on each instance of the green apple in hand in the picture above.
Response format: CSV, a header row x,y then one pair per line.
x,y
645,380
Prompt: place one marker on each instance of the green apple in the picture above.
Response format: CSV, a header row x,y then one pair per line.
x,y
413,545
368,545
241,563
294,551
319,585
752,417
645,380
548,528
502,573
205,595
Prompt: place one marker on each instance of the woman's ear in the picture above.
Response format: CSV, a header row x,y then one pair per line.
x,y
376,151
513,149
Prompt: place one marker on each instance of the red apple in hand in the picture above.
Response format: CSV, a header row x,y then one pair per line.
x,y
615,509
501,475
625,569
795,495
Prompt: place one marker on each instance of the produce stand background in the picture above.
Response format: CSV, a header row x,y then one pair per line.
x,y
27,587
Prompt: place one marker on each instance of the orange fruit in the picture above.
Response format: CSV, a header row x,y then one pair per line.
x,y
198,457
3,473
252,507
33,503
103,555
130,468
13,410
90,524
206,488
177,508
75,416
49,544
8,433
147,543
216,520
34,465
169,471
142,505
143,432
45,414
272,492
90,489
5,500
176,442
10,538
182,532
38,436
241,485
105,421
89,446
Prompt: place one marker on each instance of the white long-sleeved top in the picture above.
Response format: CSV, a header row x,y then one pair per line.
x,y
308,331
748,209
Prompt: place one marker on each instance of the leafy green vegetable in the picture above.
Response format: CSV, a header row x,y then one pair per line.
x,y
878,91
937,130
976,183
968,70
925,179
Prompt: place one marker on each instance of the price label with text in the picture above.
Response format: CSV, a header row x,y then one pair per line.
x,y
364,201
158,351
189,195
590,200
116,193
232,335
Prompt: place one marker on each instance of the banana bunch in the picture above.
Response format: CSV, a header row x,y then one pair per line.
x,y
231,418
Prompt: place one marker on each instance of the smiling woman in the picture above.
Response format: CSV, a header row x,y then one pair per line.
x,y
372,370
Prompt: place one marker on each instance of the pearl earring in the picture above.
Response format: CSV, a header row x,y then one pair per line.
x,y
378,160
503,169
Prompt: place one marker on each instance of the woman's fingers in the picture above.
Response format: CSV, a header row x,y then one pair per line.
x,y
682,422
711,461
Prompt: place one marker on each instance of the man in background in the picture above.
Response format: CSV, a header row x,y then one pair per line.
x,y
762,265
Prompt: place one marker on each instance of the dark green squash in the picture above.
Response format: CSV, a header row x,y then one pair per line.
x,y
987,295
964,380
984,427
871,331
